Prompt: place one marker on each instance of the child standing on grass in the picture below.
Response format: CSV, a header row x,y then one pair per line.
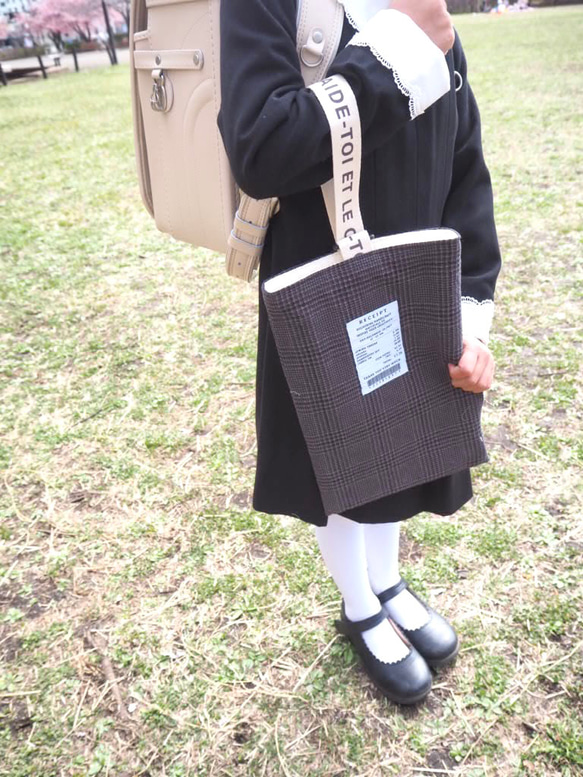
x,y
422,167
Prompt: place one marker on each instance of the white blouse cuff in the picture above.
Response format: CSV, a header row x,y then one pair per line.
x,y
419,67
477,318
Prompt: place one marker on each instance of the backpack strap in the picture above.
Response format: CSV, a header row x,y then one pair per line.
x,y
318,37
245,243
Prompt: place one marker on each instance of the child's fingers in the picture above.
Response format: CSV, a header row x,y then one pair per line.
x,y
485,379
475,369
481,378
466,365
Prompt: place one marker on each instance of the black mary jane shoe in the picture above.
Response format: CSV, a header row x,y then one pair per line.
x,y
407,681
436,640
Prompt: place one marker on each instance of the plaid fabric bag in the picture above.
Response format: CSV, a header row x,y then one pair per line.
x,y
365,336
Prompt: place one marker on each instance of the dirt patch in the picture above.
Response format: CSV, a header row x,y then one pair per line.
x,y
439,759
258,551
15,717
83,498
409,549
501,436
33,604
241,499
557,507
242,733
9,645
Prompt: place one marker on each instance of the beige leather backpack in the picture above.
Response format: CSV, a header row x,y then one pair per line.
x,y
184,174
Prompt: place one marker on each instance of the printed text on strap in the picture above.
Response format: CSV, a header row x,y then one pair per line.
x,y
339,104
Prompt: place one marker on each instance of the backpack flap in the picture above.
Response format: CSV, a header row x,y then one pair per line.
x,y
185,175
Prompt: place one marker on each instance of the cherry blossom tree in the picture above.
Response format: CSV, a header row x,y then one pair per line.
x,y
45,18
56,18
85,15
120,8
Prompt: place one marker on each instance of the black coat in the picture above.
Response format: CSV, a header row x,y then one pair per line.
x,y
428,172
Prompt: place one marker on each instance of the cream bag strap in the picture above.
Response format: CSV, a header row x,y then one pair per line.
x,y
319,28
339,104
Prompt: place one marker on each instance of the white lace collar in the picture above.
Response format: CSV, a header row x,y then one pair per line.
x,y
358,12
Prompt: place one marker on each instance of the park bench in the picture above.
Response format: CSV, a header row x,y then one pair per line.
x,y
11,73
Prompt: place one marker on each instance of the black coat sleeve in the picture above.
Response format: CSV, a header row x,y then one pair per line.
x,y
469,207
275,132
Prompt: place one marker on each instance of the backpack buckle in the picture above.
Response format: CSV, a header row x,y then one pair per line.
x,y
160,100
312,52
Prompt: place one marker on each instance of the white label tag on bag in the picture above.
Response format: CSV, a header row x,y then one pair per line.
x,y
377,347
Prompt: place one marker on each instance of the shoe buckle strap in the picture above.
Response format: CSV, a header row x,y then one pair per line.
x,y
391,592
348,627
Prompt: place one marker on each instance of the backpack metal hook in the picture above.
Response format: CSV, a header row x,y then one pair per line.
x,y
162,92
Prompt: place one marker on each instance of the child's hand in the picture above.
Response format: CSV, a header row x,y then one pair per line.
x,y
432,17
475,369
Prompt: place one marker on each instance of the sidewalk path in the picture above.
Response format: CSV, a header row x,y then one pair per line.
x,y
86,59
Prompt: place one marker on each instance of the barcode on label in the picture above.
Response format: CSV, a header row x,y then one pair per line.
x,y
384,374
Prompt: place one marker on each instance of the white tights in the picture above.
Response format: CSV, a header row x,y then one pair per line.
x,y
363,560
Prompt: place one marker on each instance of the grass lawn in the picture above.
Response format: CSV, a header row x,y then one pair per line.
x,y
152,623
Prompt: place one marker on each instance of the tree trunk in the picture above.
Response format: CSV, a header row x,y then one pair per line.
x,y
112,53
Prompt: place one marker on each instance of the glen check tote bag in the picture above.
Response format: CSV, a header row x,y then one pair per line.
x,y
365,335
